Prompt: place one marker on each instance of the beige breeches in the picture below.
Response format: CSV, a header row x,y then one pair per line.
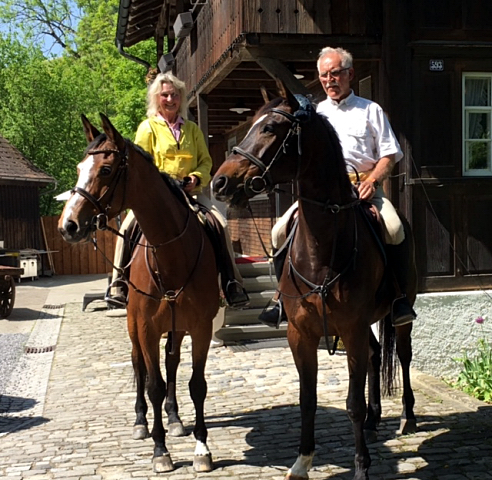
x,y
394,233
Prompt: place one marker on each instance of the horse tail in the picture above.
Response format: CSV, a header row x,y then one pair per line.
x,y
389,366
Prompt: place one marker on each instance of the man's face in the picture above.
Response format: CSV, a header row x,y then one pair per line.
x,y
334,78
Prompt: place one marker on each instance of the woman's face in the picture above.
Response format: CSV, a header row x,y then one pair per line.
x,y
169,101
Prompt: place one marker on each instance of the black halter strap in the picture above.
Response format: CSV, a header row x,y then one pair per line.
x,y
101,219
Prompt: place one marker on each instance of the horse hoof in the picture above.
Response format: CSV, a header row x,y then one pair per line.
x,y
371,436
176,429
163,464
407,426
140,432
291,476
203,463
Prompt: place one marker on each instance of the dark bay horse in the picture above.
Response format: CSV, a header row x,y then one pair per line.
x,y
173,277
333,282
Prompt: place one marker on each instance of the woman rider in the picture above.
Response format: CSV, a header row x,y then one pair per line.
x,y
179,149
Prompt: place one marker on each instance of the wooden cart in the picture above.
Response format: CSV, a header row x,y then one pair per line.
x,y
8,275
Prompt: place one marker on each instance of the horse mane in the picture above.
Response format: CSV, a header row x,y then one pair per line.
x,y
334,152
173,184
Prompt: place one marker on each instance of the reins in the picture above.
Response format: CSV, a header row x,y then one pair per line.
x,y
264,182
100,222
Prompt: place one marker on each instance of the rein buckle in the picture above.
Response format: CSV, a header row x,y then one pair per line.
x,y
102,221
254,186
169,296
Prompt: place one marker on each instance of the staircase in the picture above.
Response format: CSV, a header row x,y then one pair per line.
x,y
260,283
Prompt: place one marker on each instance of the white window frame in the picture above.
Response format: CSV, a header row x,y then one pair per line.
x,y
469,172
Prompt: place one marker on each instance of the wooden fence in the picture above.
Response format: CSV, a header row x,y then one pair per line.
x,y
78,259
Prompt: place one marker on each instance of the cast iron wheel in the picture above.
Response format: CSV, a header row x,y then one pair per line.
x,y
7,296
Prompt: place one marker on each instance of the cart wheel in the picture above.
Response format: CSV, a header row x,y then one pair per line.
x,y
7,296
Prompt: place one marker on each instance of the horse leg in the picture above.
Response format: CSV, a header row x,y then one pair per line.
x,y
156,390
202,461
305,353
140,428
174,424
357,347
408,422
374,390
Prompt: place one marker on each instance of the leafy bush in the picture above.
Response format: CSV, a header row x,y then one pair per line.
x,y
476,376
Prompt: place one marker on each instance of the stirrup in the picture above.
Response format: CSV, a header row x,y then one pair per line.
x,y
237,298
120,299
407,313
273,317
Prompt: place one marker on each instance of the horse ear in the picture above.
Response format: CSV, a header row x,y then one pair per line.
x,y
285,93
91,132
111,132
264,94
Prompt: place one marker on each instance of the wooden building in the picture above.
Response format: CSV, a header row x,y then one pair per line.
x,y
429,64
20,185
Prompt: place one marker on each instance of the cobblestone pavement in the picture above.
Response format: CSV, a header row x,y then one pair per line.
x,y
80,425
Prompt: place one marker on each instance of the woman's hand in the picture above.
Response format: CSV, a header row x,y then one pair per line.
x,y
190,183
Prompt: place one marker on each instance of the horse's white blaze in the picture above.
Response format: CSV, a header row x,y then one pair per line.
x,y
302,466
254,124
201,448
82,182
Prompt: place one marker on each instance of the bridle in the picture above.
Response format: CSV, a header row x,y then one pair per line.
x,y
100,220
264,182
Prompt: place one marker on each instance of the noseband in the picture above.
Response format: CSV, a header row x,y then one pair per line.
x,y
101,219
264,182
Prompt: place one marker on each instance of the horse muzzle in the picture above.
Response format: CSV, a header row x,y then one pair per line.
x,y
72,232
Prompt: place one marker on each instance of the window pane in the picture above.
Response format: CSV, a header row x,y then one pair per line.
x,y
478,154
478,125
477,92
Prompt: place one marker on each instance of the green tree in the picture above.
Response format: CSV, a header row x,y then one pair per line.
x,y
41,98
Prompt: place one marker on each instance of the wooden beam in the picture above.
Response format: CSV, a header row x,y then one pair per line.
x,y
203,115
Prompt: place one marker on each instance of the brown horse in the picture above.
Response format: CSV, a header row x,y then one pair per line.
x,y
173,276
333,282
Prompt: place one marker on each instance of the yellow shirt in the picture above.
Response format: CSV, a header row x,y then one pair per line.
x,y
189,156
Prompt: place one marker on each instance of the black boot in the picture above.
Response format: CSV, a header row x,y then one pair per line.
x,y
235,294
275,315
118,299
400,263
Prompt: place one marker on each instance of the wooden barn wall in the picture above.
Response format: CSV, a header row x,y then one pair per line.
x,y
221,22
451,211
19,217
78,259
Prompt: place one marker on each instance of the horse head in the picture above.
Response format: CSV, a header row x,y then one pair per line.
x,y
269,153
99,194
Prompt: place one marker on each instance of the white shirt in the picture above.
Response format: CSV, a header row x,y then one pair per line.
x,y
363,129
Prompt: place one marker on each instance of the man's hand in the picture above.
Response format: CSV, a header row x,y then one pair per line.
x,y
366,189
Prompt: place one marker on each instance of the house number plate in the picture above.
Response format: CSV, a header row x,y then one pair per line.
x,y
436,65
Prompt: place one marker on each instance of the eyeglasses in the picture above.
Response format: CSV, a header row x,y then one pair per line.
x,y
333,73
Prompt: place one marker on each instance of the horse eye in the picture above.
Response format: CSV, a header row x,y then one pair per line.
x,y
267,129
105,171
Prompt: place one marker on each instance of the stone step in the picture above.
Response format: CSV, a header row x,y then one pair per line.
x,y
259,283
256,300
250,332
253,269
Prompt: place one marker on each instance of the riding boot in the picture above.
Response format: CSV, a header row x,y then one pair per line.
x,y
276,315
234,293
117,293
399,262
